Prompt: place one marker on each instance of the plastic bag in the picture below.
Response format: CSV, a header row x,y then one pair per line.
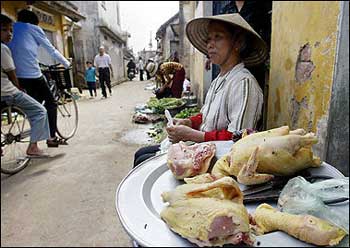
x,y
301,197
165,144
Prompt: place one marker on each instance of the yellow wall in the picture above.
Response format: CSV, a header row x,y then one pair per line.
x,y
10,8
293,25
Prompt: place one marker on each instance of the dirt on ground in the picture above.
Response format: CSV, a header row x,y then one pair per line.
x,y
69,200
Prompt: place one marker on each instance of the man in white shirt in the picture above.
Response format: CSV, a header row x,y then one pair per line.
x,y
103,63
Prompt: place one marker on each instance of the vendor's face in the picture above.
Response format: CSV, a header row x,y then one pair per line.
x,y
6,33
219,43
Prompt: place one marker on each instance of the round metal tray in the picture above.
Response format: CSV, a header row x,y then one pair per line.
x,y
139,203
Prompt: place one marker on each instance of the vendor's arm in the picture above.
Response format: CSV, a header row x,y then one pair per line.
x,y
184,133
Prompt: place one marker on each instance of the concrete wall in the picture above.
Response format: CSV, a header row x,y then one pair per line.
x,y
10,8
200,78
303,51
167,38
91,36
337,144
186,13
110,15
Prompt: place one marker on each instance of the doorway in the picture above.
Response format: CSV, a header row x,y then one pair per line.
x,y
258,14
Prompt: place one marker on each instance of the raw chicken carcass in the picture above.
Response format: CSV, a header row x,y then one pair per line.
x,y
307,228
187,161
256,158
209,214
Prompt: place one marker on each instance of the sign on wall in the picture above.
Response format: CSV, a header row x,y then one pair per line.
x,y
44,16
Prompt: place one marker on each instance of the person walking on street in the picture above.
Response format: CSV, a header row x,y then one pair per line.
x,y
90,77
27,38
103,63
141,65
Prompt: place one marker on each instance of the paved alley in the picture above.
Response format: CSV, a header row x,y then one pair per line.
x,y
70,200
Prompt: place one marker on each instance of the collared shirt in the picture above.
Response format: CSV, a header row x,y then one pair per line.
x,y
233,102
24,47
7,87
90,74
102,61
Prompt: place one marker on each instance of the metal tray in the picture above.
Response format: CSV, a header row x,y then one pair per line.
x,y
138,204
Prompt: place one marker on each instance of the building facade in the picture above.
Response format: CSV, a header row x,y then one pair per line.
x,y
167,37
102,28
58,19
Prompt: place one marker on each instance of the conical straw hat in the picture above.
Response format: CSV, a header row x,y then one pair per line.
x,y
197,33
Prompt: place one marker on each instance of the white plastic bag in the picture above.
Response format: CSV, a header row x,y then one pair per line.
x,y
165,144
301,197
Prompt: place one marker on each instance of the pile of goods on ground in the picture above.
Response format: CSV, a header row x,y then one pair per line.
x,y
187,112
159,105
157,132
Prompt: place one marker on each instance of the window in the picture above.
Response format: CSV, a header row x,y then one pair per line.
x,y
106,38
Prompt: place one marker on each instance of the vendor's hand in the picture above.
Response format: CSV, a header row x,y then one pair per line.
x,y
185,122
184,133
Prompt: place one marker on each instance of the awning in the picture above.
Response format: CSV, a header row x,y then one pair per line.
x,y
63,7
112,34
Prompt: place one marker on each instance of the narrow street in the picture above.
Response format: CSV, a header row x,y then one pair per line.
x,y
70,200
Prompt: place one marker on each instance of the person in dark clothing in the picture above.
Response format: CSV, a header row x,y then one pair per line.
x,y
131,65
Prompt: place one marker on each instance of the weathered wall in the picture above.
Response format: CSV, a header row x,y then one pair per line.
x,y
168,36
91,36
303,49
186,13
200,78
337,144
10,8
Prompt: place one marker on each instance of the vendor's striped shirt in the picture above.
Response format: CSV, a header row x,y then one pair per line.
x,y
233,102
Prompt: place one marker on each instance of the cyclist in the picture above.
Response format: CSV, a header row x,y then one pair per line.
x,y
11,94
27,38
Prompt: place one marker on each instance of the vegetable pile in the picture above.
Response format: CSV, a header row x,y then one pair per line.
x,y
187,112
159,105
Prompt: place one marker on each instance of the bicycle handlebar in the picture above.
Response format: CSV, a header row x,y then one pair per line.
x,y
55,66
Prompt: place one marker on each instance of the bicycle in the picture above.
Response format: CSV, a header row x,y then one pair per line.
x,y
15,127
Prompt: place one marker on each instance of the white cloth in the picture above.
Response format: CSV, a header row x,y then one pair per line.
x,y
233,102
102,61
186,84
141,65
7,87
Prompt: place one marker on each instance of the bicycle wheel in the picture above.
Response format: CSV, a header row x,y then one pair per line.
x,y
15,137
67,115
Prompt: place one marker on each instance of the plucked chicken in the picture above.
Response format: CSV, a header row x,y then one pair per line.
x,y
307,228
187,161
256,158
209,214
